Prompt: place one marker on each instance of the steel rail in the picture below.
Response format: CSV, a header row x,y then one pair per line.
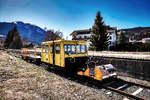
x,y
137,84
124,93
130,83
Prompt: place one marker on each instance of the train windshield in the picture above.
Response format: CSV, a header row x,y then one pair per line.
x,y
81,49
70,49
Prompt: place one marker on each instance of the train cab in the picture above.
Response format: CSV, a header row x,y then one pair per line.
x,y
68,54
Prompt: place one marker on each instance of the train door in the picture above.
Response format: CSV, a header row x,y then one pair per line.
x,y
57,55
45,53
51,54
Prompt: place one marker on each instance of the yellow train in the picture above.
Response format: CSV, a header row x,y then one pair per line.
x,y
72,56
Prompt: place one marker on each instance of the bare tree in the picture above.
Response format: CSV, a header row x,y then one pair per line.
x,y
53,35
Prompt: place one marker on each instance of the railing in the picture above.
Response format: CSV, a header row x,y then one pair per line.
x,y
32,53
127,55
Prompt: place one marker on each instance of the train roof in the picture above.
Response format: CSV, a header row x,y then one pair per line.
x,y
63,41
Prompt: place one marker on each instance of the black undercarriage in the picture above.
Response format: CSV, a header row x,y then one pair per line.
x,y
74,64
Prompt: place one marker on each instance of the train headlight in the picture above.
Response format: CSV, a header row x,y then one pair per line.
x,y
72,59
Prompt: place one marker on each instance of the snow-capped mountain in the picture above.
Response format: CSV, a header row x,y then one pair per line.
x,y
31,32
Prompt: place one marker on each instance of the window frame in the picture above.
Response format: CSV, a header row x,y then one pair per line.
x,y
57,51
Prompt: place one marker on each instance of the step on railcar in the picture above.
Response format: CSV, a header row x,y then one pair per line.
x,y
72,56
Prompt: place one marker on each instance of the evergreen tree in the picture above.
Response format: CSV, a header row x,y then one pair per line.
x,y
13,39
99,37
9,38
122,38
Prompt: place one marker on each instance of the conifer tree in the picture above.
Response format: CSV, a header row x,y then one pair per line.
x,y
9,39
13,39
99,37
122,37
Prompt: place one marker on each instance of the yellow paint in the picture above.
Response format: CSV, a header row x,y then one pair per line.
x,y
25,52
50,54
60,57
80,73
45,53
87,72
98,74
34,51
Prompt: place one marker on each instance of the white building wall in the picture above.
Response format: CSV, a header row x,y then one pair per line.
x,y
111,33
88,43
113,37
83,35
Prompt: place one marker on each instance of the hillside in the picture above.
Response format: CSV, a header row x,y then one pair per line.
x,y
31,32
137,29
137,33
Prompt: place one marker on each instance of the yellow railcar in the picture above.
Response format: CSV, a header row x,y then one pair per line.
x,y
72,56
64,53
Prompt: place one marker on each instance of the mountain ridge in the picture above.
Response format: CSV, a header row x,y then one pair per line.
x,y
32,33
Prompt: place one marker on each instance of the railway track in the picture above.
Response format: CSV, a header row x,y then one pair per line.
x,y
119,86
114,85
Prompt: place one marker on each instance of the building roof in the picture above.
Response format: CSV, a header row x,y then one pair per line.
x,y
62,41
85,31
88,31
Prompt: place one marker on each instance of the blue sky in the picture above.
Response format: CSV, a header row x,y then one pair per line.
x,y
69,15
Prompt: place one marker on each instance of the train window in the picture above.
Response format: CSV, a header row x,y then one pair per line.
x,y
70,49
73,49
58,48
51,49
43,49
46,49
81,49
65,48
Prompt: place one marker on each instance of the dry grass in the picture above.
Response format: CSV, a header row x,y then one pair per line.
x,y
21,80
